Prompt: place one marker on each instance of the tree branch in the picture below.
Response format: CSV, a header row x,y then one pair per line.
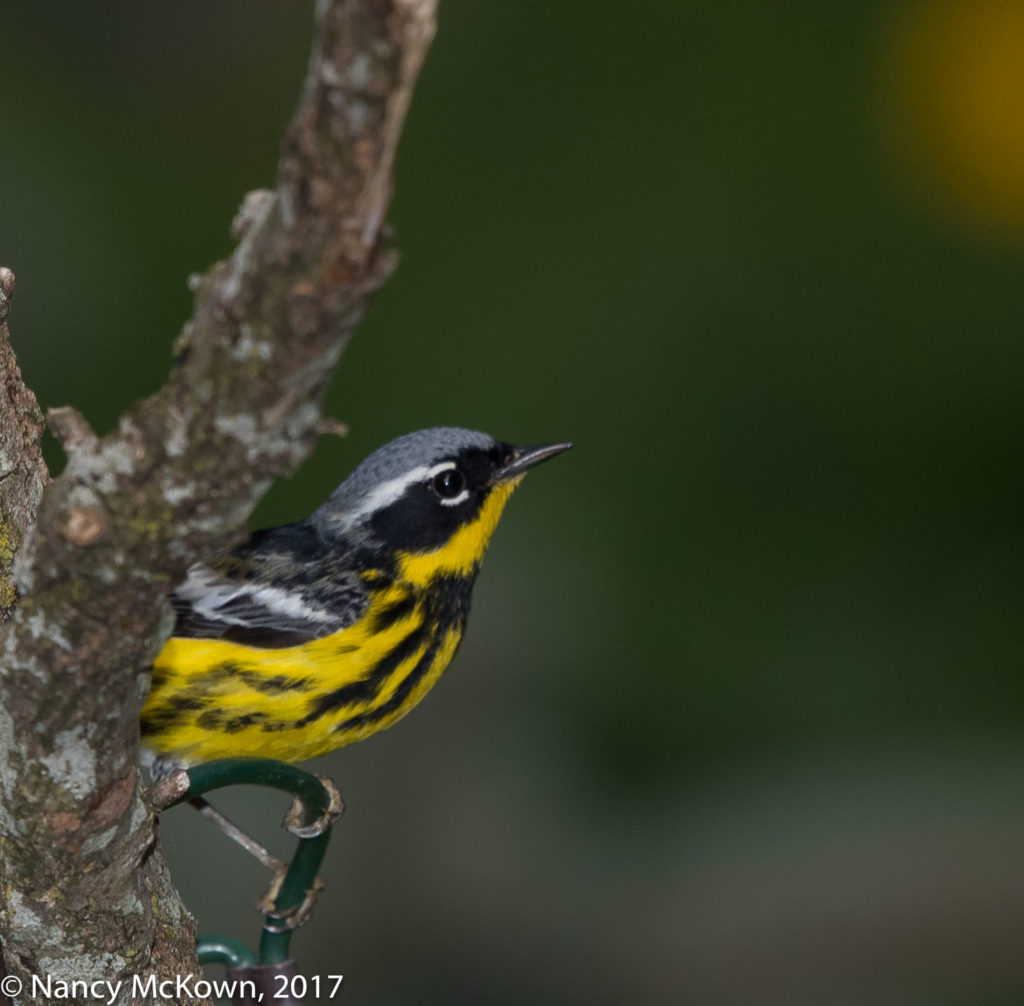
x,y
94,553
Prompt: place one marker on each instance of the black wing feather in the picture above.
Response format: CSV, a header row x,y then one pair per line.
x,y
281,588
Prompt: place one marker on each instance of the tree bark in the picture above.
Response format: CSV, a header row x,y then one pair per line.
x,y
87,559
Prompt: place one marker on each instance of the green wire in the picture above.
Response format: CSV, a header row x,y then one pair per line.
x,y
224,950
304,865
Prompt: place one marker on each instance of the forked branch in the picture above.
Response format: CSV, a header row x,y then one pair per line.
x,y
87,559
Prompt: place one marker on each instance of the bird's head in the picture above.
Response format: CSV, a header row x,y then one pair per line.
x,y
433,497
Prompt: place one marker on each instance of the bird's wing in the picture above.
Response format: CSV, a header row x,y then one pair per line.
x,y
267,597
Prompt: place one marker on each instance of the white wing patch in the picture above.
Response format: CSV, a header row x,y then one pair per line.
x,y
208,595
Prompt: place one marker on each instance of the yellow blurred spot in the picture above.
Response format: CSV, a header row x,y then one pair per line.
x,y
952,108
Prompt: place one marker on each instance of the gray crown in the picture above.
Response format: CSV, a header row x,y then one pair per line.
x,y
423,448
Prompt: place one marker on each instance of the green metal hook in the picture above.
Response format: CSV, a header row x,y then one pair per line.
x,y
226,950
316,806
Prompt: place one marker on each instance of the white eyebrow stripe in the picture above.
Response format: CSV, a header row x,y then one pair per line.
x,y
387,492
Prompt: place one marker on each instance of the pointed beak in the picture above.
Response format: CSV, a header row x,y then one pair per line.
x,y
526,457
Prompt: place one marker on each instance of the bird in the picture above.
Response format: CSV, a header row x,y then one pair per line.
x,y
317,634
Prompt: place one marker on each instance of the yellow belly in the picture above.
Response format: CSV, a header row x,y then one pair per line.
x,y
217,699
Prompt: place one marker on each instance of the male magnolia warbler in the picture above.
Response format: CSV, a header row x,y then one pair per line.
x,y
314,635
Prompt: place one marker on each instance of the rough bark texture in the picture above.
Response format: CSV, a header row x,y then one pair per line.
x,y
22,472
87,559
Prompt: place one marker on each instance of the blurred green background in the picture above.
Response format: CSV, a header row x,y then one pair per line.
x,y
740,714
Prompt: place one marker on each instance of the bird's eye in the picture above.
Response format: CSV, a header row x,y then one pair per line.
x,y
449,483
